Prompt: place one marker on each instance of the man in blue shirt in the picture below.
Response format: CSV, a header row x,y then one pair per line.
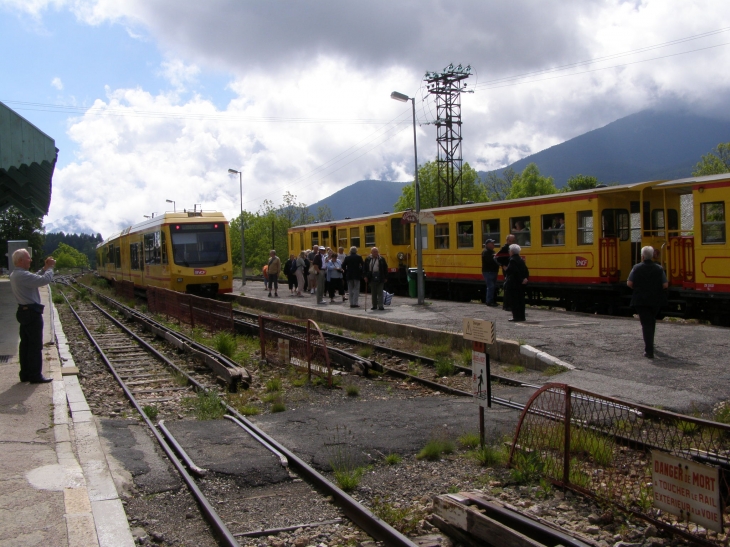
x,y
648,281
24,285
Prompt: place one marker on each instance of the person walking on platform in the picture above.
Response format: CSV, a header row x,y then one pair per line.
x,y
290,271
516,276
502,258
274,265
24,285
334,276
376,271
299,267
490,270
648,281
353,266
319,264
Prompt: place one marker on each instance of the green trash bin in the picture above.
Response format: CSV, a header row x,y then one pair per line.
x,y
412,282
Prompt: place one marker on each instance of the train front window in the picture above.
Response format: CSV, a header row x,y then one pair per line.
x,y
400,233
713,222
198,245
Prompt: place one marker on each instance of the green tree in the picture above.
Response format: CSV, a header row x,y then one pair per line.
x,y
498,188
580,182
68,257
14,226
531,183
428,180
716,162
324,213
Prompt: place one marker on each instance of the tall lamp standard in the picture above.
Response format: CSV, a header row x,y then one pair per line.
x,y
243,254
174,209
419,242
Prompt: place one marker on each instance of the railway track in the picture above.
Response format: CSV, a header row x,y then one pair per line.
x,y
145,376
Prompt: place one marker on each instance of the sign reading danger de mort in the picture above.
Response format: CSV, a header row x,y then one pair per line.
x,y
687,489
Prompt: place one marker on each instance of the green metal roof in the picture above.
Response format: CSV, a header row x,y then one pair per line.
x,y
27,160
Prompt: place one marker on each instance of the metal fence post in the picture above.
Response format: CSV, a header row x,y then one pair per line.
x,y
566,447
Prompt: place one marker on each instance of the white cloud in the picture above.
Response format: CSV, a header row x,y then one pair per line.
x,y
57,83
179,74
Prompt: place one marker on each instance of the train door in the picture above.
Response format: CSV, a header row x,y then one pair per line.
x,y
615,244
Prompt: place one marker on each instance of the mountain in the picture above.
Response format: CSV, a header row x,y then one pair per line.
x,y
648,145
364,198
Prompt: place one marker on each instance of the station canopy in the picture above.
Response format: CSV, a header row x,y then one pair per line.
x,y
27,160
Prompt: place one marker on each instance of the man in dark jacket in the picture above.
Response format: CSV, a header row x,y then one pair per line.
x,y
490,270
502,258
648,281
516,276
376,271
352,266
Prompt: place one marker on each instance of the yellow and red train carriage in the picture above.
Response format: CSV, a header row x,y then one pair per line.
x,y
185,252
579,246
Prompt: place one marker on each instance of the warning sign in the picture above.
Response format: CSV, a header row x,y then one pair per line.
x,y
687,489
479,330
479,375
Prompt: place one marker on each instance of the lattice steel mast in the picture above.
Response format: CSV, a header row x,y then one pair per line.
x,y
447,86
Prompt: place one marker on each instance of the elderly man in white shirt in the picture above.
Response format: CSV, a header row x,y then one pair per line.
x,y
24,285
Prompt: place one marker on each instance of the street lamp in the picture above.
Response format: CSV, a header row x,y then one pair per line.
x,y
243,254
174,208
419,242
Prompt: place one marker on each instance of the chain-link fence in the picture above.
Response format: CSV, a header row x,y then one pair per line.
x,y
189,309
662,466
284,346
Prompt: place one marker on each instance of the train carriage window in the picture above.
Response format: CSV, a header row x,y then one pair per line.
x,y
110,255
118,257
342,238
673,222
370,236
355,237
315,239
424,237
149,248
553,229
520,228
615,223
490,230
325,238
585,227
163,247
713,222
441,236
657,222
301,241
157,253
465,235
133,256
400,233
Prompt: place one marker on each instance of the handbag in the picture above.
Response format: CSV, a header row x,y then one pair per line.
x,y
387,298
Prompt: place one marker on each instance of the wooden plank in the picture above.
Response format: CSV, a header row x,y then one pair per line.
x,y
478,525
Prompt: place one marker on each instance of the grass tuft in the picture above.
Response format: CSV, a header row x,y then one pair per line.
x,y
489,456
365,351
352,390
206,406
553,370
435,448
393,459
273,385
469,440
225,343
150,411
444,366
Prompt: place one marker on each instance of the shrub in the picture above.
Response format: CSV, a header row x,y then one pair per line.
x,y
58,298
444,366
225,343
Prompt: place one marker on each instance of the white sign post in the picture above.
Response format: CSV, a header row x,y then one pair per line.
x,y
687,489
480,333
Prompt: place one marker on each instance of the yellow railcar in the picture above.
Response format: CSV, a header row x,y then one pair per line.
x,y
185,252
579,246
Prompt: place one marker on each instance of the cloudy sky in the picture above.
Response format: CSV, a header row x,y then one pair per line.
x,y
150,100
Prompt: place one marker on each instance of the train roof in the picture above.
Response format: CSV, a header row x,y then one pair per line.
x,y
501,203
184,217
685,185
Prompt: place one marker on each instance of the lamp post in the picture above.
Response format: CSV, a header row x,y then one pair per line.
x,y
243,254
419,242
174,208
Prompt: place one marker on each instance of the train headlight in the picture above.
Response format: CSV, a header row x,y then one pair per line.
x,y
224,277
179,279
401,256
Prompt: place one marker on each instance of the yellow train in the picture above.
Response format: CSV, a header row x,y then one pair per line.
x,y
186,252
579,246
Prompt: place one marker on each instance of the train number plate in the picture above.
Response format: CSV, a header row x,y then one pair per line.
x,y
199,272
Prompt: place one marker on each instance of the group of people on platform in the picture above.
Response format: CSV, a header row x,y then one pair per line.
x,y
321,271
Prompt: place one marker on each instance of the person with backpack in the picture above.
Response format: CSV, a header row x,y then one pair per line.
x,y
290,268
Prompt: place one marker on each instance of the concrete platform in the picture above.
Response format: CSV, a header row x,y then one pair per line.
x,y
56,486
689,371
